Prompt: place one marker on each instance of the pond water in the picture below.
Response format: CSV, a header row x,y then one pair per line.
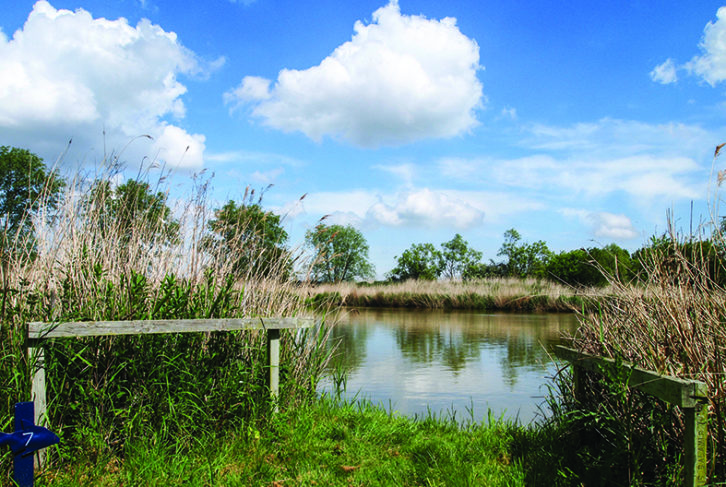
x,y
416,361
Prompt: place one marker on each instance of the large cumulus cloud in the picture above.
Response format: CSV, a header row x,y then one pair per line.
x,y
400,78
68,75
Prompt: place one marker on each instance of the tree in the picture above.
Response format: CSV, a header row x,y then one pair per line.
x,y
524,259
251,239
26,186
574,268
420,261
340,253
457,257
590,267
480,270
614,260
132,212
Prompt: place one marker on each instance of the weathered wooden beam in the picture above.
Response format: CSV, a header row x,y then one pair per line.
x,y
273,361
36,359
39,330
679,392
696,434
689,395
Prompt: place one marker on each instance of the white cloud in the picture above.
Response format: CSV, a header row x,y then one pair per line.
x,y
711,65
425,207
178,148
327,202
653,163
422,208
65,74
251,157
267,177
642,177
405,172
252,88
604,224
613,138
665,73
400,78
609,225
510,113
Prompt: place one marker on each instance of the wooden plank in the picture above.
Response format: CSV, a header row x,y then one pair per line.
x,y
680,392
39,330
695,444
36,357
273,361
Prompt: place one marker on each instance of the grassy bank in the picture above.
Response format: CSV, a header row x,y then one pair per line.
x,y
496,294
323,443
84,263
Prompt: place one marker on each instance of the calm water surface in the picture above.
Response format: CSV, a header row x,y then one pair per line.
x,y
415,361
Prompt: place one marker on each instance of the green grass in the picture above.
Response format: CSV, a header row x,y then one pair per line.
x,y
323,443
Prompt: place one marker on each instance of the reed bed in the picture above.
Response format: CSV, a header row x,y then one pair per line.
x,y
672,321
495,294
90,260
673,324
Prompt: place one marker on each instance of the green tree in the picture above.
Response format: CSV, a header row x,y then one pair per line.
x,y
420,261
524,259
132,212
574,268
590,267
614,260
481,270
456,257
340,253
26,186
251,240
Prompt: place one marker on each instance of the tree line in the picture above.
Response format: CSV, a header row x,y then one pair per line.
x,y
241,235
247,237
521,259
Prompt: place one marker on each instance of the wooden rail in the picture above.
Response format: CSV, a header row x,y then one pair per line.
x,y
39,333
689,395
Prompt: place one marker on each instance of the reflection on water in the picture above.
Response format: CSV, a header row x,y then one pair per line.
x,y
415,361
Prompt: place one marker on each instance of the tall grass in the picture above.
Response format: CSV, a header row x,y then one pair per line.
x,y
673,324
86,263
672,320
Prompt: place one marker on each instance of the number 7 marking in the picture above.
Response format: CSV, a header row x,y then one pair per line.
x,y
30,437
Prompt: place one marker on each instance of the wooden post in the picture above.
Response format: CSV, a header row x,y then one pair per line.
x,y
696,419
273,361
690,396
36,358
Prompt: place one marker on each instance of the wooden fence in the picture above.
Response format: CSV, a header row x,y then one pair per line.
x,y
39,333
689,395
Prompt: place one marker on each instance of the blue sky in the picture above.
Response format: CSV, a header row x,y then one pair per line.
x,y
577,123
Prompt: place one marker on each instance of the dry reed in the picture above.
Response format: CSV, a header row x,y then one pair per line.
x,y
513,294
672,321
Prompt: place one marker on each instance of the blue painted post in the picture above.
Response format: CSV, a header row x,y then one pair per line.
x,y
25,441
23,464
